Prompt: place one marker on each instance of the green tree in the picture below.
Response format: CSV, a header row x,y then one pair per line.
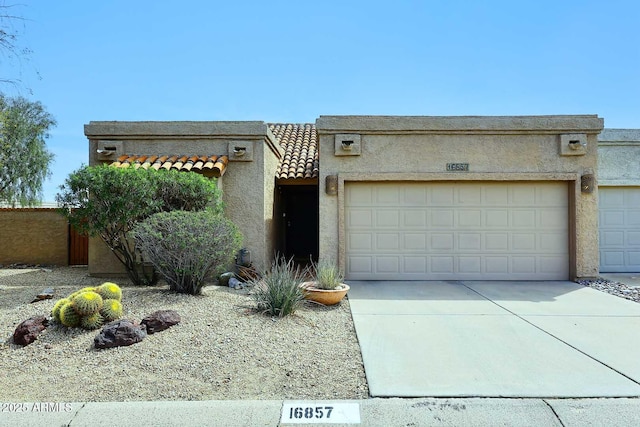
x,y
24,158
108,202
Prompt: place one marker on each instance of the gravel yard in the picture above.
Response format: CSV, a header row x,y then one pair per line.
x,y
220,350
614,288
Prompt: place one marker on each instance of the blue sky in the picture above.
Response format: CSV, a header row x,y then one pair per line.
x,y
291,61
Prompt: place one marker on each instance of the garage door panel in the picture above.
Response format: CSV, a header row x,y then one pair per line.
x,y
633,257
496,218
497,242
469,264
523,242
455,231
388,264
523,265
414,218
386,242
619,215
360,242
415,264
550,242
470,241
360,218
442,241
415,242
442,218
414,196
632,200
551,196
633,238
611,218
442,264
523,218
469,218
360,265
552,218
387,196
633,218
387,218
496,264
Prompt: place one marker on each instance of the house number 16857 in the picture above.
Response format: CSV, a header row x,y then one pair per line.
x,y
310,412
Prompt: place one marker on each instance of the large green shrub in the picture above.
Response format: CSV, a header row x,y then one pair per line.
x,y
108,202
185,247
278,292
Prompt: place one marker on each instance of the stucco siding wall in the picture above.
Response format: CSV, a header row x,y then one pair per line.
x,y
495,148
247,186
34,236
619,157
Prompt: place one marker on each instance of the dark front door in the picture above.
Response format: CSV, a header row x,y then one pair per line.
x,y
300,222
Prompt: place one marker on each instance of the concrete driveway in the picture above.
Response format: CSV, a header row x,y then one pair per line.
x,y
496,339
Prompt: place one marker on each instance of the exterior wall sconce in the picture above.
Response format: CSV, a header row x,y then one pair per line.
x,y
587,183
331,185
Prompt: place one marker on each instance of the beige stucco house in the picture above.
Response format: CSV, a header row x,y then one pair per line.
x,y
411,198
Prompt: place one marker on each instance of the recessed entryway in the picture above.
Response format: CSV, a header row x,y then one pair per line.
x,y
298,222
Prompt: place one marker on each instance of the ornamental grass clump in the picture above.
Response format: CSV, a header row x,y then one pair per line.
x,y
327,275
278,292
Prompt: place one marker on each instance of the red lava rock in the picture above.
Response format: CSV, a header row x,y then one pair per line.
x,y
161,320
28,331
120,333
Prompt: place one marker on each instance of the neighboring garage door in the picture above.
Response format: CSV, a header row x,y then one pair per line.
x,y
457,230
619,229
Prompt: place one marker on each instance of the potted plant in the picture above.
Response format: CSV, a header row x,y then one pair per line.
x,y
326,288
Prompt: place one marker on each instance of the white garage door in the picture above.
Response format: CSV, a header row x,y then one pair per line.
x,y
456,231
619,229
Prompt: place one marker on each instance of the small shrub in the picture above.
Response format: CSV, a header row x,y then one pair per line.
x,y
327,275
186,247
278,293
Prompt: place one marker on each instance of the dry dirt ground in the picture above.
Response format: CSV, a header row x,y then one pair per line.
x,y
221,349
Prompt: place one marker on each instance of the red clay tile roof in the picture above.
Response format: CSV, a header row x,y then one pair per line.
x,y
300,145
215,164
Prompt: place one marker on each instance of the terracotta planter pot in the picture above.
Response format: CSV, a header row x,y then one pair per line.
x,y
324,296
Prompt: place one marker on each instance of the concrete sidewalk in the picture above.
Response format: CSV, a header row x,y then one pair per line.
x,y
371,412
496,339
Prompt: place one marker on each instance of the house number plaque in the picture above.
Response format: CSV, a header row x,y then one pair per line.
x,y
458,167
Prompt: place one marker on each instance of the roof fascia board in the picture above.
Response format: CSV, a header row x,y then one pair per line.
x,y
175,130
460,124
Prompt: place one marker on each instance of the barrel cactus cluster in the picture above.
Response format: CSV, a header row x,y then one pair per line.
x,y
89,307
